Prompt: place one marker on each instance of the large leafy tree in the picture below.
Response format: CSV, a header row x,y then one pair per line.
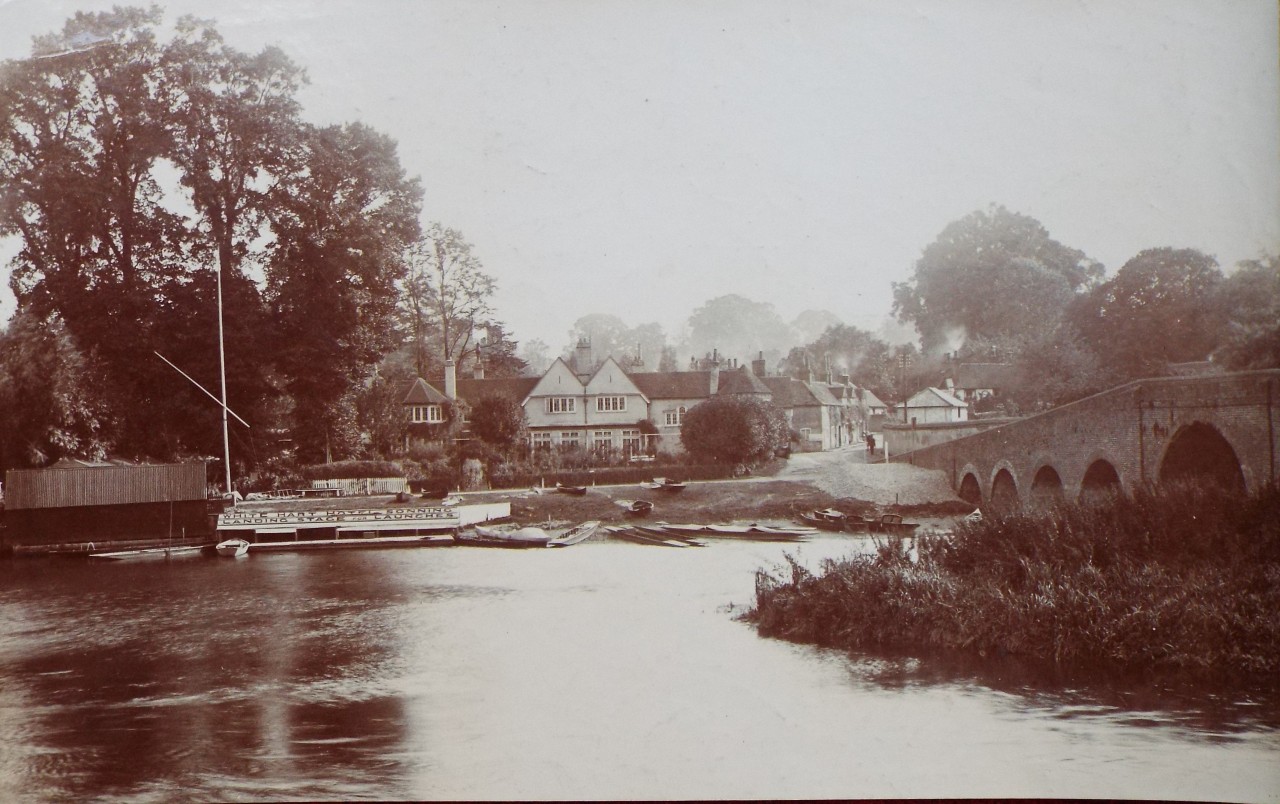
x,y
734,429
1158,309
1249,302
84,124
992,274
48,402
740,328
344,221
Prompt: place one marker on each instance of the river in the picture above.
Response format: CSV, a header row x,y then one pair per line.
x,y
606,670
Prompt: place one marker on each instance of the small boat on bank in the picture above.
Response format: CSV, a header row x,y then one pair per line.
x,y
574,535
665,484
639,536
232,548
183,551
892,523
660,532
492,537
575,490
635,507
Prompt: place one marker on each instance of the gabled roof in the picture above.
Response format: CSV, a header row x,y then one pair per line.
x,y
517,388
673,384
984,375
422,393
870,399
787,392
934,398
820,393
741,382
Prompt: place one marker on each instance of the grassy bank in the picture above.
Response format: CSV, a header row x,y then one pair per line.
x,y
1187,579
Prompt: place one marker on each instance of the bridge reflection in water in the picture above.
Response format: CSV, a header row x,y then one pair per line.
x,y
1214,429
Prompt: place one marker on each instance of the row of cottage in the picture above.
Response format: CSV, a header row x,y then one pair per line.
x,y
577,403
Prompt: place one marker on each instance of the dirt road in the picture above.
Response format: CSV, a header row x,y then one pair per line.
x,y
844,473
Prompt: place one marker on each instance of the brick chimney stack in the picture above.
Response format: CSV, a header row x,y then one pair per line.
x,y
758,366
451,379
715,372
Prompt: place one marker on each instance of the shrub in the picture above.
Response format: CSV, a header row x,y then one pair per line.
x,y
734,429
499,420
341,470
1184,578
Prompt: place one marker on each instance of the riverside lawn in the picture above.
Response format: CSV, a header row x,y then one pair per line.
x,y
1181,579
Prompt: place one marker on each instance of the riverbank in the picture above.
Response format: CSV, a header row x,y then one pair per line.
x,y
1187,580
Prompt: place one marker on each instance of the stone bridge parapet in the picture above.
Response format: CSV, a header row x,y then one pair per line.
x,y
1219,427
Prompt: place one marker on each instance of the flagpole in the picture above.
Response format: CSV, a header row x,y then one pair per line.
x,y
222,373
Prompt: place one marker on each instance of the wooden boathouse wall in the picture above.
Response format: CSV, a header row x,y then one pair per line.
x,y
105,503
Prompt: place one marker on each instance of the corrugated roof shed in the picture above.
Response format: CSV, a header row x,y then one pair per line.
x,y
104,485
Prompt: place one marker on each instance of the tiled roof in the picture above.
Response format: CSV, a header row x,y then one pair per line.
x,y
516,388
422,393
820,393
742,382
673,384
871,400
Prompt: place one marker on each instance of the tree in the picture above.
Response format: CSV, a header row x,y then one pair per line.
x,y
810,324
738,327
1054,368
83,125
608,335
500,421
343,223
536,356
992,273
734,429
445,295
48,408
497,352
1248,302
1156,310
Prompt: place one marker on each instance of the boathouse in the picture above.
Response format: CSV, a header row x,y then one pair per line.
x,y
71,504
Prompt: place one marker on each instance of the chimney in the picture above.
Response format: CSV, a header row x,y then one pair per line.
x,y
806,374
844,379
715,372
757,365
582,357
451,379
477,370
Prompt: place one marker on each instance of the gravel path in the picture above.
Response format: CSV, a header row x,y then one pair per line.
x,y
845,473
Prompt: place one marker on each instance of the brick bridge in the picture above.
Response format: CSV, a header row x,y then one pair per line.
x,y
1220,428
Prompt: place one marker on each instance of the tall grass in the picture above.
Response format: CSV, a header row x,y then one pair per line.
x,y
1183,578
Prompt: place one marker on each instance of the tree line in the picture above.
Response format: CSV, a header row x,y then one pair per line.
x,y
140,165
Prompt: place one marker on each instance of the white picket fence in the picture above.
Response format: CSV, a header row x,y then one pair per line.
x,y
364,486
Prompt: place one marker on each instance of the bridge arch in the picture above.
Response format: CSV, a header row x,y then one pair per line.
x,y
1004,488
1046,487
970,489
1198,452
1100,480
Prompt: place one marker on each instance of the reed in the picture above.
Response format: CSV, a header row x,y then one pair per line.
x,y
1183,578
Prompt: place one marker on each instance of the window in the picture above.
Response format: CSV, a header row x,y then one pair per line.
x,y
427,414
632,443
675,418
611,403
805,434
542,440
602,440
561,404
569,438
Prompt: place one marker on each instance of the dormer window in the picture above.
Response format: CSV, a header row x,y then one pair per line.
x,y
426,414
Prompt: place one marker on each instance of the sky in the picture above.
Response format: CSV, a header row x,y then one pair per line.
x,y
641,158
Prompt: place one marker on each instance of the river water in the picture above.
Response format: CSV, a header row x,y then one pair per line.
x,y
606,670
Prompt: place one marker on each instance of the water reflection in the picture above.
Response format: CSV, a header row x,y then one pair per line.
x,y
603,671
